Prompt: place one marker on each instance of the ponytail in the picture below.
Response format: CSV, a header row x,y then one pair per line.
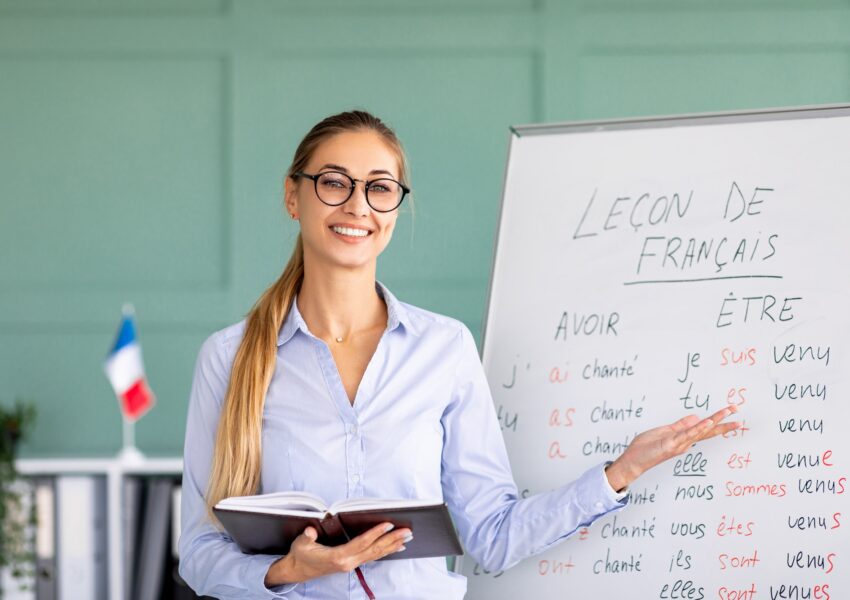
x,y
238,453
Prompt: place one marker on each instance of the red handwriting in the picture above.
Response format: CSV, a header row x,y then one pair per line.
x,y
738,461
733,527
555,451
764,489
558,376
725,593
738,562
736,396
746,357
555,567
555,419
738,432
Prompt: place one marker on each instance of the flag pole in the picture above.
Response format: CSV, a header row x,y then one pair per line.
x,y
129,453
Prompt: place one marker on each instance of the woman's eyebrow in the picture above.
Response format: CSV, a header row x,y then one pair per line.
x,y
344,170
334,167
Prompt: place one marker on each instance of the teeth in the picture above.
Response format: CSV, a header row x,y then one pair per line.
x,y
350,231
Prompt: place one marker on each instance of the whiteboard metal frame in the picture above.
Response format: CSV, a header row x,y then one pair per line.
x,y
684,120
651,122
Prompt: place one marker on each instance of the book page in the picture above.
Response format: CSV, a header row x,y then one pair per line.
x,y
289,501
353,504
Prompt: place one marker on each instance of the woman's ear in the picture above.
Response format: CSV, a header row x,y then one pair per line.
x,y
290,202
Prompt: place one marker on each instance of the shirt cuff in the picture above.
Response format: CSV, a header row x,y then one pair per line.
x,y
258,567
613,494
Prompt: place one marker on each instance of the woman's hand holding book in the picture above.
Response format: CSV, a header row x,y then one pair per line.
x,y
307,559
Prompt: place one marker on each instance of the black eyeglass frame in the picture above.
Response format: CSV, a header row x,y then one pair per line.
x,y
367,183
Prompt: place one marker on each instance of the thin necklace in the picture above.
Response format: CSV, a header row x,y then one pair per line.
x,y
340,339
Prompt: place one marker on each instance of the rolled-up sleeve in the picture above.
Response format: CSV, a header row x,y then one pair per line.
x,y
210,561
497,528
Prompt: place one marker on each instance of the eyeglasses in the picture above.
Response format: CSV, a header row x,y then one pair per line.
x,y
334,188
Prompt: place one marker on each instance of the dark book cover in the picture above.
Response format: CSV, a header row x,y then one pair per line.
x,y
265,533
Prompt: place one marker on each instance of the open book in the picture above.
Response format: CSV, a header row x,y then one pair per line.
x,y
268,523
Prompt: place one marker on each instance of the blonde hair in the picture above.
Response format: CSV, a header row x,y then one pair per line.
x,y
237,456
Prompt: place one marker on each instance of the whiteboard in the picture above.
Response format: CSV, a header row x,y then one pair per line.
x,y
649,269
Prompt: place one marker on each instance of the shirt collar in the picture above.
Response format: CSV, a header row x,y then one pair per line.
x,y
292,323
397,315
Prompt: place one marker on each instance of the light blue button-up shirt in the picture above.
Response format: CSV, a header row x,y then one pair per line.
x,y
422,426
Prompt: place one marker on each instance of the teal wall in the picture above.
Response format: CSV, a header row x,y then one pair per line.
x,y
143,142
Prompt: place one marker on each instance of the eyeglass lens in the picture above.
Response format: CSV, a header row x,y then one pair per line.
x,y
335,188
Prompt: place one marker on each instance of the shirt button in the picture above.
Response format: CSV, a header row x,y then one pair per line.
x,y
355,478
599,506
352,429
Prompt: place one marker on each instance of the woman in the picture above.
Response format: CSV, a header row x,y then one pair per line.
x,y
333,386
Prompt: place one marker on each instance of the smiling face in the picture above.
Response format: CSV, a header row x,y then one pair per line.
x,y
350,235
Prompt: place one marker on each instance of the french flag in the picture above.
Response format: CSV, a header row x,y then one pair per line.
x,y
126,372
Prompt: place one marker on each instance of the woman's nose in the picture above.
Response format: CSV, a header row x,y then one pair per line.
x,y
357,204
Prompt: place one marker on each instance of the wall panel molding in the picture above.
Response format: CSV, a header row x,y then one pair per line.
x,y
238,82
54,8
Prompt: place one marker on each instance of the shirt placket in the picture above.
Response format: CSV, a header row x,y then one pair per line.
x,y
354,456
353,467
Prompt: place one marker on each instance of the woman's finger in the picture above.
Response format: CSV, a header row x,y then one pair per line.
x,y
723,413
693,434
367,538
721,429
385,545
346,557
685,438
706,428
684,423
718,427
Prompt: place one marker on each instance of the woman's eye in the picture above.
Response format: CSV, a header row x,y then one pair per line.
x,y
331,182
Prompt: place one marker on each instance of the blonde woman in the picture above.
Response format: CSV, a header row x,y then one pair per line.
x,y
333,386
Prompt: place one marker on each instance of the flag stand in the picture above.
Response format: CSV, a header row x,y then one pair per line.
x,y
129,453
126,373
